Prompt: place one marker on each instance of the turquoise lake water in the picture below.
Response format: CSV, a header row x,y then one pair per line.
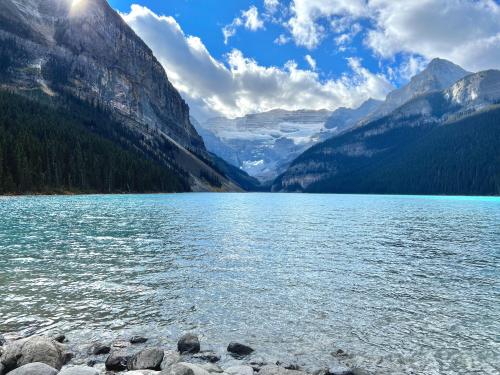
x,y
403,284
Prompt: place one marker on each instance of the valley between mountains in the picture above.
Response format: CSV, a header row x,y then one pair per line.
x,y
88,108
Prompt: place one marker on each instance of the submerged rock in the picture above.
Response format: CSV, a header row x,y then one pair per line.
x,y
207,355
99,349
78,370
3,341
138,340
147,359
117,361
239,349
59,337
188,343
34,349
35,368
120,344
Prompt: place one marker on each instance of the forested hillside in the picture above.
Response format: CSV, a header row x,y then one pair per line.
x,y
44,149
456,158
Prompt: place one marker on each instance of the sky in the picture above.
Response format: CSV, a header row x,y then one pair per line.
x,y
235,57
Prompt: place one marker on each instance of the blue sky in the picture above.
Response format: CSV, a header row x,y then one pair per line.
x,y
206,18
313,54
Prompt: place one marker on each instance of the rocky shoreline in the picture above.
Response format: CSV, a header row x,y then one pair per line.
x,y
50,355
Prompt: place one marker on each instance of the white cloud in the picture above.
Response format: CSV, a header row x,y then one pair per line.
x,y
240,85
271,5
312,63
304,25
466,32
249,19
282,39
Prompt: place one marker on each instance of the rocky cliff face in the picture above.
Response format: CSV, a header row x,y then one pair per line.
x,y
62,49
84,47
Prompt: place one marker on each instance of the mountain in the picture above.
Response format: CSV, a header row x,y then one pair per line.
x,y
344,118
52,50
438,75
44,149
263,144
442,142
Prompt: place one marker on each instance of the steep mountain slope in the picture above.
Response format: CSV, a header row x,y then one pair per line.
x,y
263,144
438,75
444,142
345,118
85,50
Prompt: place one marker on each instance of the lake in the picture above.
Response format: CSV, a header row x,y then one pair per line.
x,y
402,284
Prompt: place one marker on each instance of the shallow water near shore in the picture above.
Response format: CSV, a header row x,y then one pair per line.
x,y
403,284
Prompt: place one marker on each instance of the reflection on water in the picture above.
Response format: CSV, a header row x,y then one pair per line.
x,y
402,284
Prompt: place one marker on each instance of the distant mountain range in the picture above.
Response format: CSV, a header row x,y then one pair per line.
x,y
265,144
101,116
53,51
442,139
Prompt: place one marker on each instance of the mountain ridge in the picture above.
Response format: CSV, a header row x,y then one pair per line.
x,y
87,51
363,148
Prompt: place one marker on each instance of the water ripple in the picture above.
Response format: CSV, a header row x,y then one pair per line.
x,y
402,284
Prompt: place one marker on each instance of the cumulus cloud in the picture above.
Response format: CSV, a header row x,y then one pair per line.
x,y
249,19
239,85
466,32
305,25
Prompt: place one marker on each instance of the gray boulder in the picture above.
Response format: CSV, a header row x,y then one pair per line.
x,y
239,349
117,361
35,368
212,367
178,369
188,343
34,349
239,370
170,357
147,359
197,369
78,370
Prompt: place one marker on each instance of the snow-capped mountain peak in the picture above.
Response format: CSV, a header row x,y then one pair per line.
x,y
438,75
